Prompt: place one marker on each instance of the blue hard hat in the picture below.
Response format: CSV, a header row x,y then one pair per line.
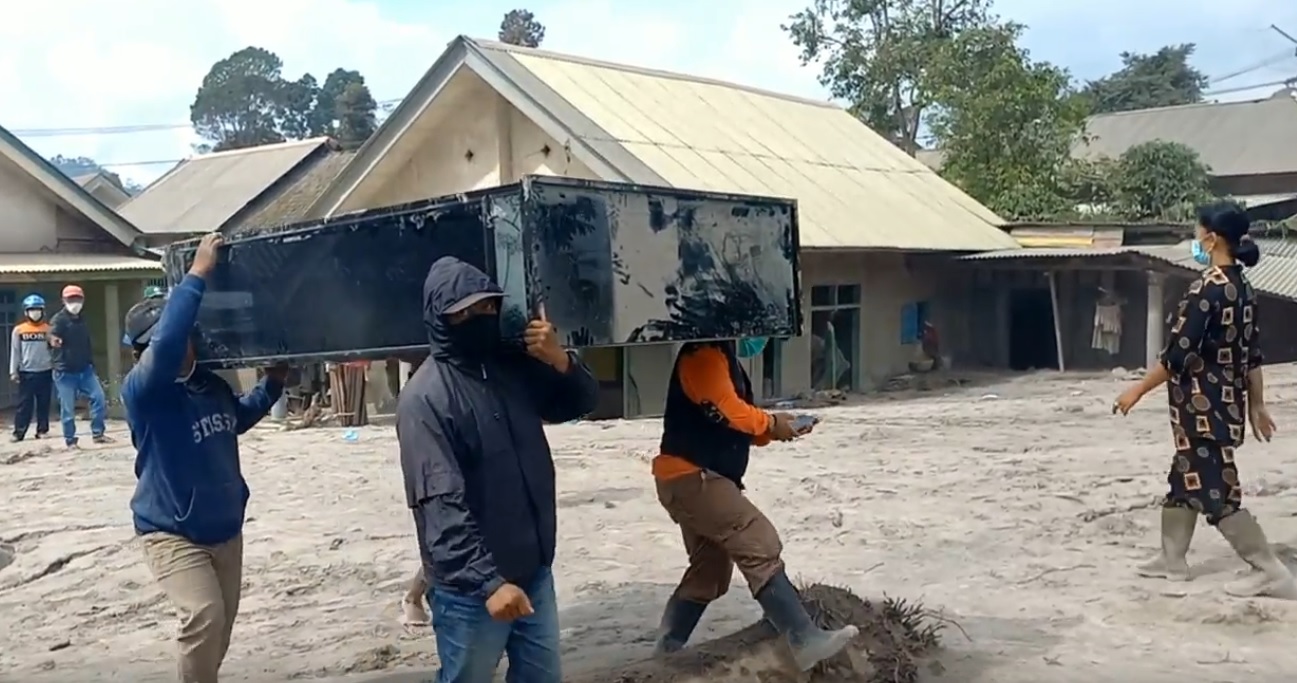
x,y
33,301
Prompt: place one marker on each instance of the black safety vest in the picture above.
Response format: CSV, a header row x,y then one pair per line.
x,y
700,434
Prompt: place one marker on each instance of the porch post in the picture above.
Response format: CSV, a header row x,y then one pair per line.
x,y
113,326
1155,324
1059,346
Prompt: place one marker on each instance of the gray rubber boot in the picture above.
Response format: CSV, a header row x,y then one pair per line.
x,y
679,620
810,643
1249,541
1177,533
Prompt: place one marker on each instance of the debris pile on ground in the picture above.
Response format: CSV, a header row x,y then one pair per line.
x,y
895,639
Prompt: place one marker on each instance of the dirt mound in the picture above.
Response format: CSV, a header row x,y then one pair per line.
x,y
894,638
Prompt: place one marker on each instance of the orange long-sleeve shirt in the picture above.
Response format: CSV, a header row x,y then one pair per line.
x,y
704,375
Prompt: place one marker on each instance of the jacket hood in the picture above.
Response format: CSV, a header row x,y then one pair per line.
x,y
448,282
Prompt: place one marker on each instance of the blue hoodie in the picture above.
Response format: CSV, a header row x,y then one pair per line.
x,y
186,433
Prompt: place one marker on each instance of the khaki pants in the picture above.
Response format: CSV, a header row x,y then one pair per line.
x,y
721,529
203,583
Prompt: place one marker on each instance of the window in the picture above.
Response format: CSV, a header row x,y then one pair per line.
x,y
830,296
835,337
913,316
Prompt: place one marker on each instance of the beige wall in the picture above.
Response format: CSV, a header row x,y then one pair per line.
x,y
886,285
469,139
31,221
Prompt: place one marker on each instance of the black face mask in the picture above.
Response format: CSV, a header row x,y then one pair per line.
x,y
477,336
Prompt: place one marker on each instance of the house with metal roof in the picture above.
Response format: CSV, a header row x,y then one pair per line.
x,y
1097,296
105,187
55,232
1250,146
235,190
487,114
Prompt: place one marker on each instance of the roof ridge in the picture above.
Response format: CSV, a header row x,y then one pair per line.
x,y
272,147
484,44
1192,105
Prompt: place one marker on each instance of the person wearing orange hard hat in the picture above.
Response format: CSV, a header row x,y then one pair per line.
x,y
74,369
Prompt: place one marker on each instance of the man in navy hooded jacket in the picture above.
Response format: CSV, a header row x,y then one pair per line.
x,y
480,479
190,496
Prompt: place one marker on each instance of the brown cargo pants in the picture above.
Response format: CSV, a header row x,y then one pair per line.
x,y
203,584
721,529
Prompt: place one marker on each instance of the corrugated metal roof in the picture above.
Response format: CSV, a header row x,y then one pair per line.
x,y
292,203
854,188
1274,274
1233,138
201,194
13,264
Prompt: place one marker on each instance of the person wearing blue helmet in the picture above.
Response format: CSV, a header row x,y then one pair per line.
x,y
31,366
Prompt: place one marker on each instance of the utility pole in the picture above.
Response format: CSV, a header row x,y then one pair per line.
x,y
1283,33
1291,83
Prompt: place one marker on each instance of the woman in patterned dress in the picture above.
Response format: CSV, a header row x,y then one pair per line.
x,y
1212,366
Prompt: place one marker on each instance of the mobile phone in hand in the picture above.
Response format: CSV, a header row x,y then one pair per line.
x,y
804,422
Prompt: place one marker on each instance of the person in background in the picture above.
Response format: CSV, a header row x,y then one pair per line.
x,y
190,496
150,292
479,477
413,611
708,429
30,365
1212,366
74,370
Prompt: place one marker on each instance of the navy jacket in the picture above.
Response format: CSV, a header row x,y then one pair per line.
x,y
478,471
189,481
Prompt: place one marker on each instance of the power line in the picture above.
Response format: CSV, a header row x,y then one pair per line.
x,y
383,105
1253,86
155,162
1257,66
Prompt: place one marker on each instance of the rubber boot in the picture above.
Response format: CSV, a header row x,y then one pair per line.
x,y
1248,540
810,643
1177,532
679,620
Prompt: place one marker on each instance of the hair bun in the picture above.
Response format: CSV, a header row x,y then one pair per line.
x,y
1247,252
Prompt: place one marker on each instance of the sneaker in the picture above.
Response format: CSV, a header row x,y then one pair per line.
x,y
42,435
16,438
73,445
102,438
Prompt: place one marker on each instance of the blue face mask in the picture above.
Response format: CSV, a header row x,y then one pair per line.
x,y
1200,256
751,346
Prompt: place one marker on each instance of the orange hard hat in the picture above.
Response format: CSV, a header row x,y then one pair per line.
x,y
72,291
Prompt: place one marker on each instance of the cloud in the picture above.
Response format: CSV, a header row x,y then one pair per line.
x,y
87,63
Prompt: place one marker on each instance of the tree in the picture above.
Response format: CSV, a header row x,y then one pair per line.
x,y
344,109
241,101
356,120
1005,123
1159,180
520,27
245,101
875,55
1162,79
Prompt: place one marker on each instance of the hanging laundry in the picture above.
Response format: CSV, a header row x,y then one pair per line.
x,y
1107,327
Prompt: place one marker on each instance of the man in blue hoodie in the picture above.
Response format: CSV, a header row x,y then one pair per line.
x,y
480,479
190,497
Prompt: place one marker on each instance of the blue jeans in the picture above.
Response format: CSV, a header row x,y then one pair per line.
x,y
470,643
69,385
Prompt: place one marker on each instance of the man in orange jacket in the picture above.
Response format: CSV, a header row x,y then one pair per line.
x,y
709,427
